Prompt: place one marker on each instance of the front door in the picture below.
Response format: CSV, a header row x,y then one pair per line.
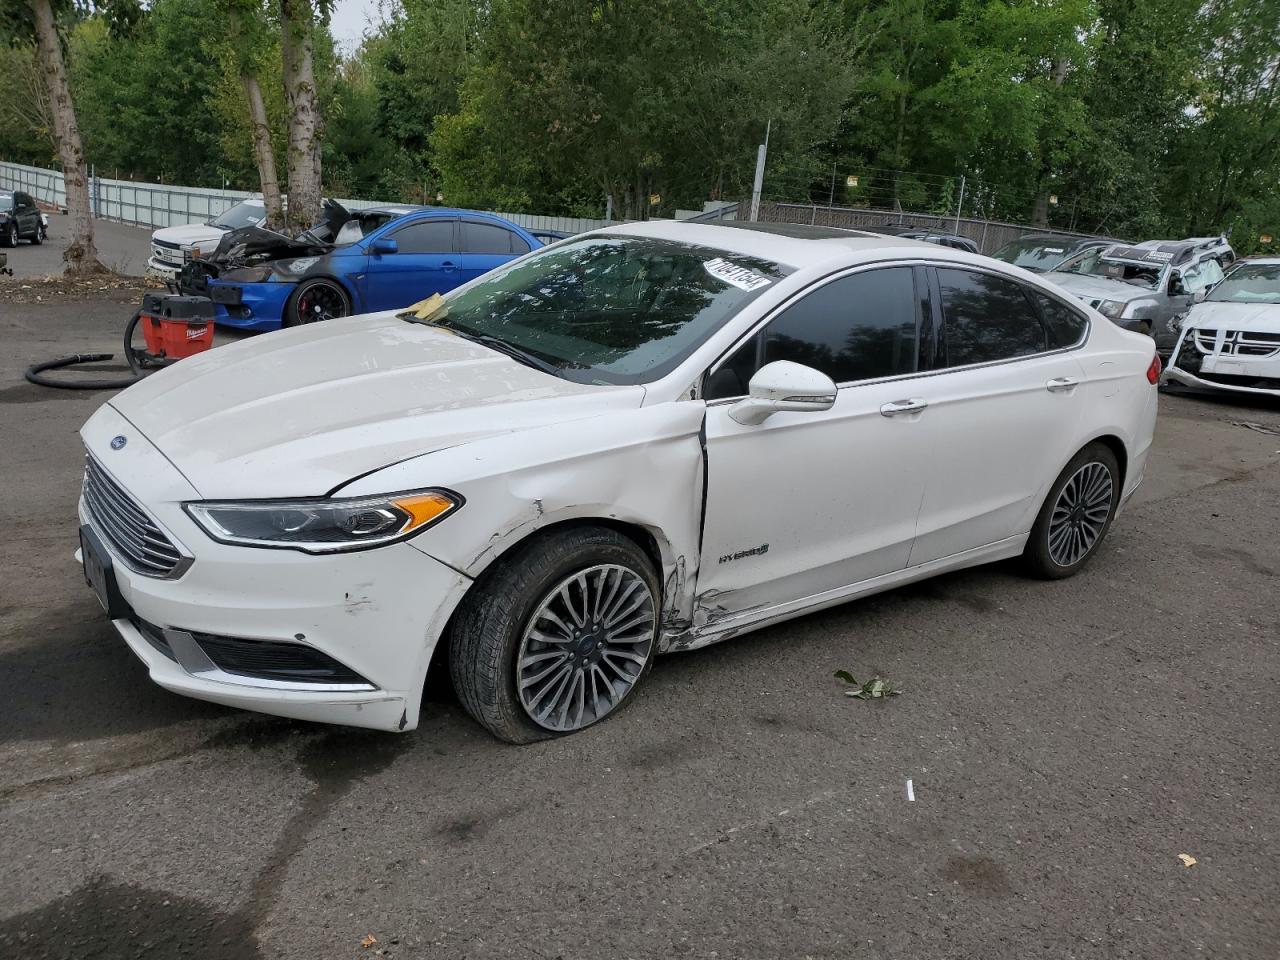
x,y
808,502
425,262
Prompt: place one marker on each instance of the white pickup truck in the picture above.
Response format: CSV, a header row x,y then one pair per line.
x,y
171,247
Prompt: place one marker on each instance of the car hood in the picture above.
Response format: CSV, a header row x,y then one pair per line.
x,y
1256,317
303,411
188,234
1098,288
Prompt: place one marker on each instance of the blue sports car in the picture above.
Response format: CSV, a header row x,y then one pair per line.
x,y
378,259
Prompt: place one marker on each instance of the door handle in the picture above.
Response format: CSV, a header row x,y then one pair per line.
x,y
1061,384
899,407
448,265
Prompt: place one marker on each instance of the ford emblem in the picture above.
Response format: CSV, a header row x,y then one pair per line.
x,y
118,441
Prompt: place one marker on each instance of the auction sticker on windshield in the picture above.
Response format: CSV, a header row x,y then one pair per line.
x,y
740,277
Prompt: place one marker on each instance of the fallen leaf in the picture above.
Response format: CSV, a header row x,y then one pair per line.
x,y
368,941
1187,859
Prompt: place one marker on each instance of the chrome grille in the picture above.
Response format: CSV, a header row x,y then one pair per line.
x,y
134,536
1238,343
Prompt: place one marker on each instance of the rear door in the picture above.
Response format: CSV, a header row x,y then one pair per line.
x,y
425,262
1002,413
487,245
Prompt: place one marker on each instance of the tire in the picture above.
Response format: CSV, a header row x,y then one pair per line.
x,y
40,235
1071,524
497,629
10,236
314,301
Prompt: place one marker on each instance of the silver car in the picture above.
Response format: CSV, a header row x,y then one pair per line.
x,y
1148,287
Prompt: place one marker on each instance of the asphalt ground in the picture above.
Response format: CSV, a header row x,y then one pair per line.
x,y
123,248
1066,743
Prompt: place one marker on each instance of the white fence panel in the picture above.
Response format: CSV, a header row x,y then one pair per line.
x,y
167,205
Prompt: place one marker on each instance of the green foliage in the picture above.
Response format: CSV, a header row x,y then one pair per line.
x,y
1145,117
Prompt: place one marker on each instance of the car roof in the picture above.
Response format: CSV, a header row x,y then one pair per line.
x,y
796,244
1179,250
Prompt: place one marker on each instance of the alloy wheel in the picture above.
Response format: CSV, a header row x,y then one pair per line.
x,y
319,302
585,647
1080,514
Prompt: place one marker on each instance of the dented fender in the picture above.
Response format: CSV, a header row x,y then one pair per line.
x,y
642,467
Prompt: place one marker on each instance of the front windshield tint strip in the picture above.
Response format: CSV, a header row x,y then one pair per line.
x,y
608,309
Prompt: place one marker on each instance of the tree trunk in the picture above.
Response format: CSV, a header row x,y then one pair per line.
x,y
263,153
81,255
297,25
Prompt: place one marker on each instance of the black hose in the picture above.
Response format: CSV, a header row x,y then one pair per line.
x,y
138,360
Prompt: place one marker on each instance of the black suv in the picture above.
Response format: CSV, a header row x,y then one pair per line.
x,y
19,219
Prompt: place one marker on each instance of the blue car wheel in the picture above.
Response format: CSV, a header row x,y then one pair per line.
x,y
316,300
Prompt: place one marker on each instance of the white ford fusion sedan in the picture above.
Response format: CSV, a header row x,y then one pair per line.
x,y
645,439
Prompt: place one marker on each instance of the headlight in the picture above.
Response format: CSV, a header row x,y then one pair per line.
x,y
323,525
247,275
1112,308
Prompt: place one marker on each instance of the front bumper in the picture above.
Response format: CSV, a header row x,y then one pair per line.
x,y
249,306
1224,368
163,269
377,612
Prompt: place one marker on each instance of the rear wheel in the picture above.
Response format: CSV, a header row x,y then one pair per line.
x,y
39,235
314,301
557,636
1076,515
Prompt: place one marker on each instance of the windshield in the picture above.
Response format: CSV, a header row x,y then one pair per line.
x,y
1093,263
1250,283
608,309
1041,255
248,213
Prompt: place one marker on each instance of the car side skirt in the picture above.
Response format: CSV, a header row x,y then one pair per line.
x,y
713,629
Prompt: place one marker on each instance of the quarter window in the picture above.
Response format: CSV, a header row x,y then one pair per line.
x,y
425,236
1065,327
987,318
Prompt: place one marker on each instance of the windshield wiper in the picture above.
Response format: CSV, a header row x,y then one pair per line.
x,y
510,350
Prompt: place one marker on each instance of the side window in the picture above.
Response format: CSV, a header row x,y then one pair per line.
x,y
859,327
425,236
1206,275
489,238
1066,328
23,201
987,318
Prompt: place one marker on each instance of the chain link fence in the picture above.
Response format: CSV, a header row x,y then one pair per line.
x,y
989,235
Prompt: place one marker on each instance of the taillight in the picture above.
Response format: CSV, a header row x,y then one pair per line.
x,y
1153,371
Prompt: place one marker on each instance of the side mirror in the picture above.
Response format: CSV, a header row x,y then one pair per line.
x,y
383,245
783,385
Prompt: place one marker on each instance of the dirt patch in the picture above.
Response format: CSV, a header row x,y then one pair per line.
x,y
60,288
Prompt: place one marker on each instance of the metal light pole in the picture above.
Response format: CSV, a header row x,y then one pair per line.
x,y
959,205
759,182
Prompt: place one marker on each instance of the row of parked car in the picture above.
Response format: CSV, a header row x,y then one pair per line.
x,y
390,256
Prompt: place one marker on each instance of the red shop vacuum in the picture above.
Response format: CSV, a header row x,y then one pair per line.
x,y
173,327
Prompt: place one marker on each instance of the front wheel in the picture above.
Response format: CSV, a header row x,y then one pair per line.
x,y
1076,515
10,236
314,301
557,635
